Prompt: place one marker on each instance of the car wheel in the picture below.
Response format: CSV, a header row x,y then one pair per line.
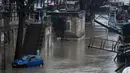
x,y
24,65
13,66
41,65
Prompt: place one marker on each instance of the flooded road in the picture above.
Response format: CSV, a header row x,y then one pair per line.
x,y
74,56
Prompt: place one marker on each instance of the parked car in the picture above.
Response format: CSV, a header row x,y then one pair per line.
x,y
28,61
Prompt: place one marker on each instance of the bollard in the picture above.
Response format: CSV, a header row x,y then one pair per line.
x,y
38,52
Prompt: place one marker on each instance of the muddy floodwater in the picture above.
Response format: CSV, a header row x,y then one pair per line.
x,y
74,56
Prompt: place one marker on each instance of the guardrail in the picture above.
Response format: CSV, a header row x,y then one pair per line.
x,y
103,44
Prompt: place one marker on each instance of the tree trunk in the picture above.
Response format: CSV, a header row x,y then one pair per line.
x,y
6,21
22,9
19,43
7,26
82,4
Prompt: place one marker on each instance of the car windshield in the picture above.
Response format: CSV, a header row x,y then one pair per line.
x,y
25,58
38,57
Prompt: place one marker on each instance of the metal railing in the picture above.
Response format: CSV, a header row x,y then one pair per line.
x,y
103,44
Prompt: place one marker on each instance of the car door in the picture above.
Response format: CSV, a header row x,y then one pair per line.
x,y
34,61
31,61
39,60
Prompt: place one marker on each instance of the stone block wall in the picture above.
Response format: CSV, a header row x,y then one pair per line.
x,y
77,25
74,25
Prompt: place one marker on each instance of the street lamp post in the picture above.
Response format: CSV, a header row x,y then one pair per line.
x,y
3,54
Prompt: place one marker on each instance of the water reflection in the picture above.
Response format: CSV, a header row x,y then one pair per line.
x,y
72,57
70,49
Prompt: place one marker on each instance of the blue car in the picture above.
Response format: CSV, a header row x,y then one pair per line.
x,y
28,61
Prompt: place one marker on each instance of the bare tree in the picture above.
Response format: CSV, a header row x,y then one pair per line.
x,y
22,9
6,18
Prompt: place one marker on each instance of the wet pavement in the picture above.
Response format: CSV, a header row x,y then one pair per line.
x,y
74,56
